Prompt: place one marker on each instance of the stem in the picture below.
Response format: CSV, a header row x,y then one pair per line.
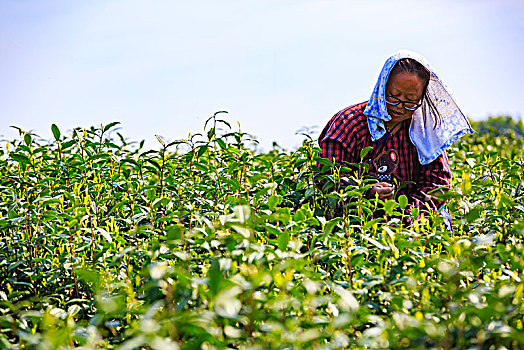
x,y
162,173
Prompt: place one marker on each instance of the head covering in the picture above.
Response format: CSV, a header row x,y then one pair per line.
x,y
431,138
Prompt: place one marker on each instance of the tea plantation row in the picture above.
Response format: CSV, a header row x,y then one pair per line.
x,y
204,243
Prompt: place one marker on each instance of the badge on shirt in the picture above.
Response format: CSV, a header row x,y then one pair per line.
x,y
386,165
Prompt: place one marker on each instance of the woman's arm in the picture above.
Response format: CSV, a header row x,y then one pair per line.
x,y
334,151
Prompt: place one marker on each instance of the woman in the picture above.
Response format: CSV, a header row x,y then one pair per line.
x,y
409,121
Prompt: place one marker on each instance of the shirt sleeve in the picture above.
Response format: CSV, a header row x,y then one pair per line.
x,y
334,151
340,156
434,178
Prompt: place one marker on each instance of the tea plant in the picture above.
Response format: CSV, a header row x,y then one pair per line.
x,y
205,243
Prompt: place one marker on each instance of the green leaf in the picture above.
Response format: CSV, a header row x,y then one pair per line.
x,y
389,206
242,213
403,201
204,168
273,201
151,194
130,161
148,152
160,202
328,227
68,144
309,193
28,139
91,277
505,199
14,265
20,158
176,142
375,243
56,132
106,234
466,183
347,301
110,125
283,240
414,212
299,216
154,162
201,150
473,214
222,120
365,151
324,161
104,156
20,131
221,143
214,277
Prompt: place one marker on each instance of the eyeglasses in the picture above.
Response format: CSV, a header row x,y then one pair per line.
x,y
410,106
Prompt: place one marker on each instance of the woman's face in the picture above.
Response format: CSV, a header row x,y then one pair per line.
x,y
405,87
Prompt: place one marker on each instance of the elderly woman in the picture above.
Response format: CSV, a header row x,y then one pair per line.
x,y
409,121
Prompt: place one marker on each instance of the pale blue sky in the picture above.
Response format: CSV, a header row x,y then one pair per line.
x,y
163,67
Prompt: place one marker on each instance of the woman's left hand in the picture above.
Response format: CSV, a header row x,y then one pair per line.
x,y
384,191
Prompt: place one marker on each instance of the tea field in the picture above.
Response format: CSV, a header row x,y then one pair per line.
x,y
204,243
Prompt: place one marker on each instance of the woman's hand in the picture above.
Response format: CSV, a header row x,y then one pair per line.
x,y
384,191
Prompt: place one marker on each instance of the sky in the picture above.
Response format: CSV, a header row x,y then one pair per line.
x,y
277,66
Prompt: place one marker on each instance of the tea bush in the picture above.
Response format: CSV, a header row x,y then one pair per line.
x,y
205,243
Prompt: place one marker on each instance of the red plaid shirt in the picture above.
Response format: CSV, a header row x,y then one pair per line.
x,y
347,133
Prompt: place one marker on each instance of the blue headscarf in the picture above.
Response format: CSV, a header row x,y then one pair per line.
x,y
429,137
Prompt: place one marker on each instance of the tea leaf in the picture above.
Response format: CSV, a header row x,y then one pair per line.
x,y
365,151
56,132
20,158
110,125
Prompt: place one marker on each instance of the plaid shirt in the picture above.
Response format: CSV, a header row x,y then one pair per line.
x,y
347,134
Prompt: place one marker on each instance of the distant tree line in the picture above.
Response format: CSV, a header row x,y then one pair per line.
x,y
500,125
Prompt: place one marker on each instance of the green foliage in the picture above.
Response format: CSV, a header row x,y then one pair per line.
x,y
500,125
204,243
